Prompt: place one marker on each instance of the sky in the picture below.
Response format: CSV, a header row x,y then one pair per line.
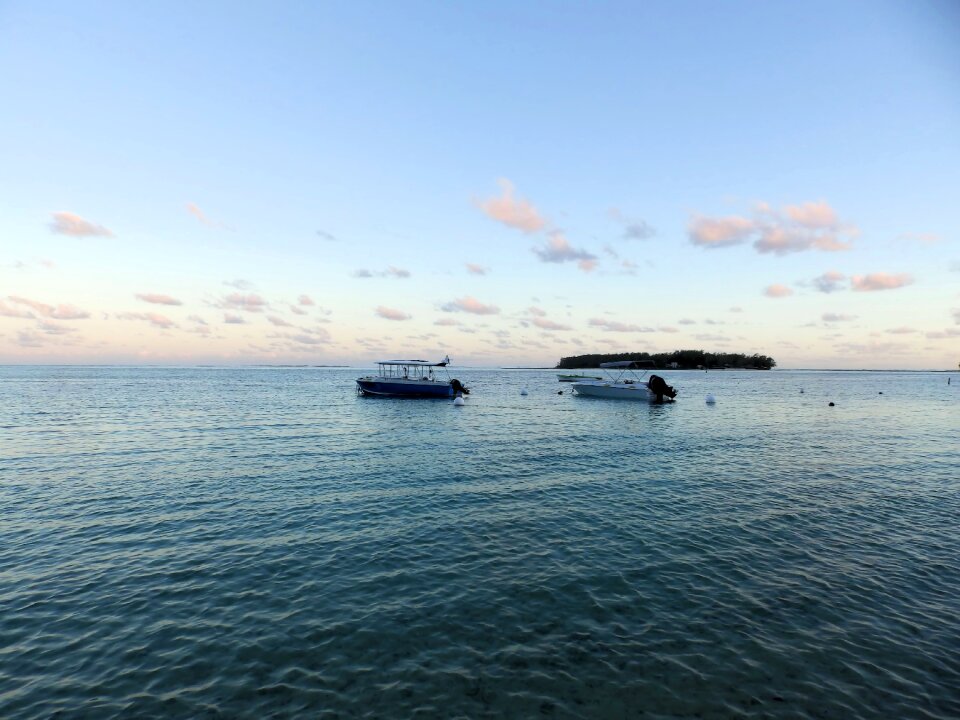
x,y
505,183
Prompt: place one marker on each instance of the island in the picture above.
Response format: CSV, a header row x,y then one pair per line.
x,y
676,360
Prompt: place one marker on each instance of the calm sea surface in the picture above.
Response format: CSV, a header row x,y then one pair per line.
x,y
264,543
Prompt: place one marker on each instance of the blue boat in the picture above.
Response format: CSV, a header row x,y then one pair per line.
x,y
411,378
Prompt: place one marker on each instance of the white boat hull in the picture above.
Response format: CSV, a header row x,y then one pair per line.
x,y
619,391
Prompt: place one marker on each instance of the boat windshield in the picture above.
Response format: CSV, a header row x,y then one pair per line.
x,y
411,370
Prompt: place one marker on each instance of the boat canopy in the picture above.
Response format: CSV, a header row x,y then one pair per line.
x,y
629,364
413,363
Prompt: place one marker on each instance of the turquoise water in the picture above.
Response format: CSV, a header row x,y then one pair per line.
x,y
264,543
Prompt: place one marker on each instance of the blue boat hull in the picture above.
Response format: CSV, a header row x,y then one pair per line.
x,y
402,389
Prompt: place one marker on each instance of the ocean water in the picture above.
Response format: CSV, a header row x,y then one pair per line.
x,y
262,543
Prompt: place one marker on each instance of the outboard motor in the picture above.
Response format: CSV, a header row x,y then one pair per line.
x,y
658,386
458,387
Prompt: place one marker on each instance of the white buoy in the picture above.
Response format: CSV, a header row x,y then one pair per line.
x,y
458,401
523,391
711,400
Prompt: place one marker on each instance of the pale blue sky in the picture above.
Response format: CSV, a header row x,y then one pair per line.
x,y
389,126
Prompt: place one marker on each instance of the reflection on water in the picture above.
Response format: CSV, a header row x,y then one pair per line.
x,y
243,543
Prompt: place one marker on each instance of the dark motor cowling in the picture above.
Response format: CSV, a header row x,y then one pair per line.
x,y
458,387
658,386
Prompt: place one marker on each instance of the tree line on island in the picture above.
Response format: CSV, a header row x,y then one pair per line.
x,y
678,359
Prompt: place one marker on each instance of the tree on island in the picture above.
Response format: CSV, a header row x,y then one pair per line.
x,y
684,359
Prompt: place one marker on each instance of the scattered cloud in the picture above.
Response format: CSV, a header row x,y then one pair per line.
x,y
614,326
155,319
956,315
233,319
667,329
813,215
719,232
297,311
533,310
475,269
686,321
736,309
15,312
943,334
158,299
305,300
471,305
514,212
549,325
239,284
777,291
391,271
903,330
323,235
397,272
557,249
829,282
196,319
633,229
837,317
808,226
879,281
391,313
199,215
278,321
447,322
362,273
58,312
67,223
246,302
50,328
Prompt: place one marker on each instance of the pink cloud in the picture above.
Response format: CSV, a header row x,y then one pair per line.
x,y
557,249
471,305
297,311
155,319
447,322
247,302
475,269
391,313
686,321
880,281
829,282
233,319
808,226
777,291
545,324
614,326
278,321
67,223
719,232
157,299
60,312
513,212
306,300
814,215
837,317
15,312
199,215
903,330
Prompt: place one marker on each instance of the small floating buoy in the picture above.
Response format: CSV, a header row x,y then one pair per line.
x,y
881,392
711,400
523,391
830,404
559,392
458,401
801,391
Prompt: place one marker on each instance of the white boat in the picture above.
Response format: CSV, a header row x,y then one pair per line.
x,y
624,383
410,378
